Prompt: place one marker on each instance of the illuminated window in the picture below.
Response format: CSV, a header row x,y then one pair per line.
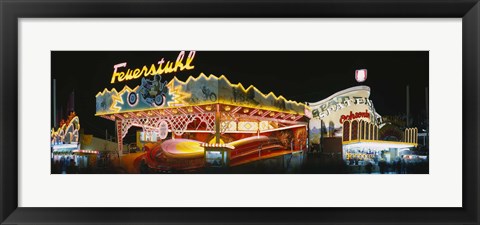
x,y
354,130
367,131
362,129
346,131
415,137
407,135
372,131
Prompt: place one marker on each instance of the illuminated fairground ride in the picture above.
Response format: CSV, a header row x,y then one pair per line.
x,y
350,116
207,117
66,134
65,143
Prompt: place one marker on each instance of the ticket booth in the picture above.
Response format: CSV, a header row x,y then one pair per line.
x,y
217,155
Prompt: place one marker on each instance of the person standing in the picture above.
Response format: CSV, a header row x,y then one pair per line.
x,y
72,168
368,167
382,165
403,166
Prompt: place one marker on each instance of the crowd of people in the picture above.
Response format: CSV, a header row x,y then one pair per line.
x,y
400,165
365,161
68,164
64,166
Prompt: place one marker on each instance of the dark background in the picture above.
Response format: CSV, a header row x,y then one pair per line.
x,y
304,76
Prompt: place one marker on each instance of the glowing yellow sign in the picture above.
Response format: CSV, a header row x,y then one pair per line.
x,y
169,67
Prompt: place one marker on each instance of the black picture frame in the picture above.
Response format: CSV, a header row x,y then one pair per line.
x,y
11,11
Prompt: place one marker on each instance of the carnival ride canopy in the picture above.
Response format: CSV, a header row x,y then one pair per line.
x,y
157,93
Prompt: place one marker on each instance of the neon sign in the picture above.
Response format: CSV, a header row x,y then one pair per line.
x,y
361,75
353,116
67,133
163,67
340,103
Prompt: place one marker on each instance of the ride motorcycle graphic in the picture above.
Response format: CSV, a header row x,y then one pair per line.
x,y
152,92
206,95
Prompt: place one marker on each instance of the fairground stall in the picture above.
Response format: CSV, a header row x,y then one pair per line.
x,y
347,123
204,121
66,149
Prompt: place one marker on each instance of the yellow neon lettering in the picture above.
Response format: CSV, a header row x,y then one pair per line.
x,y
160,70
121,76
179,63
115,73
129,75
113,77
168,67
152,71
190,57
144,71
136,73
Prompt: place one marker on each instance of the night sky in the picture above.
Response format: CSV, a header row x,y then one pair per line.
x,y
300,76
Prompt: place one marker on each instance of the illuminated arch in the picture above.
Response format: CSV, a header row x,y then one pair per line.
x,y
61,135
75,136
415,137
362,130
372,131
367,131
406,135
67,133
411,135
346,131
354,130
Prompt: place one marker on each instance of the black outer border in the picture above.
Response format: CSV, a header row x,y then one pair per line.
x,y
11,10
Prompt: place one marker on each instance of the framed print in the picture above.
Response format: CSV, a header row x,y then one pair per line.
x,y
239,112
173,114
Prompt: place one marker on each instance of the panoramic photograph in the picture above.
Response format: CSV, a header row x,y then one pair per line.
x,y
239,112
